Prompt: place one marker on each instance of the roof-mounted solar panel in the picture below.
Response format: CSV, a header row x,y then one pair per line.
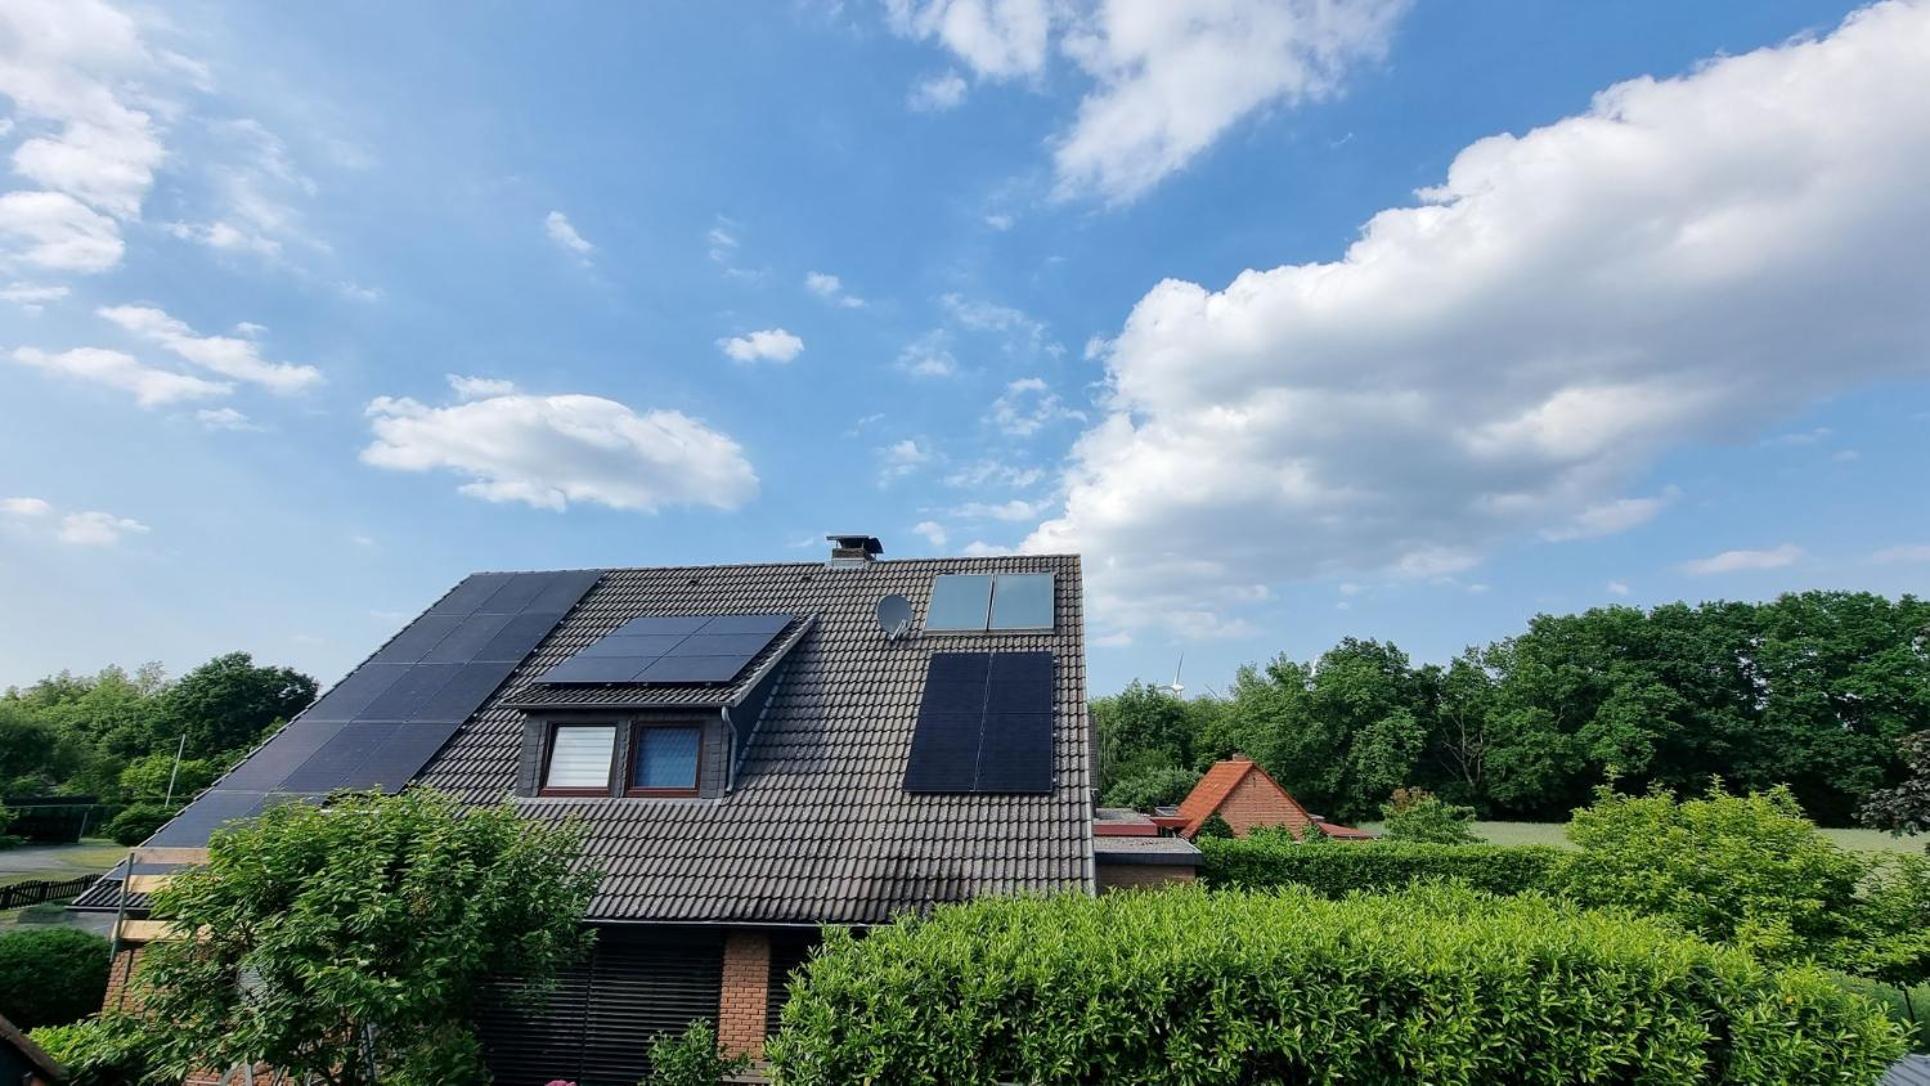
x,y
671,649
984,725
383,722
978,602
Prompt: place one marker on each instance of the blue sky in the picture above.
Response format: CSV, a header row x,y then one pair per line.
x,y
1297,319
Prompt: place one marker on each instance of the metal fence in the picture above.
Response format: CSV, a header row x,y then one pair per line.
x,y
22,894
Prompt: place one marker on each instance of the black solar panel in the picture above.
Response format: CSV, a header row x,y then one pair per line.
x,y
984,724
672,649
383,722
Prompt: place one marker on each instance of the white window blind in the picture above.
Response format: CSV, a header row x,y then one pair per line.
x,y
580,756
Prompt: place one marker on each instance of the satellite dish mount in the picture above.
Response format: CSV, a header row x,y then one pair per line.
x,y
894,616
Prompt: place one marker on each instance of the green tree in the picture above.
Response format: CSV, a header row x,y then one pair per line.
x,y
1417,815
1141,728
352,943
146,779
1905,808
1155,787
227,704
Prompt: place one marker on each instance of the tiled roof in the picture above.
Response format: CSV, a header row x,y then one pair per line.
x,y
1215,786
1908,1071
819,828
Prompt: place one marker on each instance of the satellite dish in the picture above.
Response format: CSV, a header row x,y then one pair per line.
x,y
894,615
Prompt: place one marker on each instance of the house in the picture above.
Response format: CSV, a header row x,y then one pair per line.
x,y
1246,796
757,750
1131,851
25,1063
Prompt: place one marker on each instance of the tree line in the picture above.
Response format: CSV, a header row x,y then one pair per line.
x,y
1814,690
114,734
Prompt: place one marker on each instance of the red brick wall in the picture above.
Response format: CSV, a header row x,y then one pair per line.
x,y
117,974
1141,876
1255,801
747,978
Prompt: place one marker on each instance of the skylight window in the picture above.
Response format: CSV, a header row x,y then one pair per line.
x,y
977,602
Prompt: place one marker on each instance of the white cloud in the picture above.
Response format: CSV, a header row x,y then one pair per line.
x,y
237,358
478,388
225,418
557,226
1914,552
1014,510
549,451
151,387
1802,437
1000,221
930,355
1022,332
1167,79
831,289
55,231
996,474
943,91
1570,305
1028,406
97,529
250,329
1172,78
31,297
769,345
901,458
932,531
1740,561
1612,517
1617,588
978,548
226,237
723,241
25,507
254,186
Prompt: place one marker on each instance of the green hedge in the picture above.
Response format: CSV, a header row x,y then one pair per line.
x,y
51,976
1437,984
1265,861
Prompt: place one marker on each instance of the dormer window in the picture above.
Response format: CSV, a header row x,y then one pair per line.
x,y
579,760
664,760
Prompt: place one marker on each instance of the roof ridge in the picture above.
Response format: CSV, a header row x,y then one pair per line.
x,y
792,564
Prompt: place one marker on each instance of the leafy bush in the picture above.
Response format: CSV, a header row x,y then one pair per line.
x,y
102,1051
690,1058
51,976
1415,814
1263,861
1439,984
1908,1007
1156,787
1214,828
138,823
1753,872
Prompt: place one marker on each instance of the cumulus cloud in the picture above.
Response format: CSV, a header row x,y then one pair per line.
x,y
1742,561
32,297
901,458
930,355
943,91
25,507
53,230
97,529
1017,509
556,226
550,451
1691,259
1618,588
114,369
226,355
1612,517
478,388
1167,80
769,345
932,531
831,289
225,418
1911,552
1029,405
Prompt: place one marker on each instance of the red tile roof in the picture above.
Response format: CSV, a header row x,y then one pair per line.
x,y
1211,791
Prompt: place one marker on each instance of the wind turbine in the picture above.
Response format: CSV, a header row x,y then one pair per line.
x,y
1178,688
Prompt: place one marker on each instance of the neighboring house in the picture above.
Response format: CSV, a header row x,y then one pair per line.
x,y
24,1063
1131,851
1243,794
755,756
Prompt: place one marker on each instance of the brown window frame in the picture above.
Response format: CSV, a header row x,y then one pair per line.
x,y
636,751
549,751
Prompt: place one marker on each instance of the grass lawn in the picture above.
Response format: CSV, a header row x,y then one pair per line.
x,y
56,863
1550,833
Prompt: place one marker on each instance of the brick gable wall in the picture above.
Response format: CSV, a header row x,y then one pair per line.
x,y
1257,801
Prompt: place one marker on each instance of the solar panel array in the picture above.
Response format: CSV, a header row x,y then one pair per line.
x,y
672,649
380,725
984,724
978,602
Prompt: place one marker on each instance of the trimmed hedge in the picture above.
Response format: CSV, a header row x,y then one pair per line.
x,y
1265,861
1437,984
51,976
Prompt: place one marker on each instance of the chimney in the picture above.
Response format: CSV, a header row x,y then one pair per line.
x,y
853,549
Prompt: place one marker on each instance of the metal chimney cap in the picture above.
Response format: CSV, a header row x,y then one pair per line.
x,y
855,545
